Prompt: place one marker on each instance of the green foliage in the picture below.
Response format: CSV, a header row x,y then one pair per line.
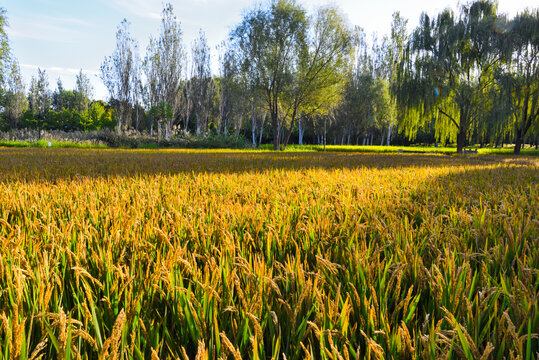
x,y
4,46
207,141
44,143
447,70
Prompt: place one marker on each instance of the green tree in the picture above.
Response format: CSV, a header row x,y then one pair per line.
x,y
83,92
447,70
270,43
40,98
322,69
519,83
15,101
295,62
202,85
163,66
116,74
4,46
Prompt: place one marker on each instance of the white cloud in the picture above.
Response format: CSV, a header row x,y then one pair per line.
x,y
142,8
47,28
58,70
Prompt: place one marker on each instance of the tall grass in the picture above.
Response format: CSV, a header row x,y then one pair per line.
x,y
188,254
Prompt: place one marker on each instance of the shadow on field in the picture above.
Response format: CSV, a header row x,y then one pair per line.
x,y
31,164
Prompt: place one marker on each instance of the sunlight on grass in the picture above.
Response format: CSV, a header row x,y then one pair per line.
x,y
141,253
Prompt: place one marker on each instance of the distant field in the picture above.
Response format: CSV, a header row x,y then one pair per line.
x,y
147,254
396,148
290,148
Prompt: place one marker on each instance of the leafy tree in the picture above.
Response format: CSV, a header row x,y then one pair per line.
x,y
201,82
100,115
519,82
270,43
322,71
58,96
447,69
40,98
83,92
4,46
15,101
297,69
395,53
116,74
163,67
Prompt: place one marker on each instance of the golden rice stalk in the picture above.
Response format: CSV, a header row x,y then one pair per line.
x,y
256,325
374,347
39,347
113,342
230,347
62,334
202,354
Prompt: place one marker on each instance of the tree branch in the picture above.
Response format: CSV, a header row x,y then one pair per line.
x,y
450,117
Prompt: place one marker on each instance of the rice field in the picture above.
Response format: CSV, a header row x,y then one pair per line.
x,y
171,254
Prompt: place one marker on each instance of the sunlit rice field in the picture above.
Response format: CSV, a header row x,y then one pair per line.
x,y
171,254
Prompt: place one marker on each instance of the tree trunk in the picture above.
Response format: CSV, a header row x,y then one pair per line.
x,y
253,123
262,128
383,138
275,124
301,131
389,135
518,142
325,132
187,112
461,138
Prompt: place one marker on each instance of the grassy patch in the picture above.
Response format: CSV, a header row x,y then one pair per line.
x,y
43,143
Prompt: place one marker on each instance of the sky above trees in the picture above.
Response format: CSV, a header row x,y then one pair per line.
x,y
63,36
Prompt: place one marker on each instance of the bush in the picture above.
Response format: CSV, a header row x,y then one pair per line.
x,y
210,141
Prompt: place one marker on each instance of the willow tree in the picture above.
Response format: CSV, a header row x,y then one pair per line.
x,y
519,83
447,70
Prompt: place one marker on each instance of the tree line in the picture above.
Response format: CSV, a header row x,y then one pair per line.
x,y
466,77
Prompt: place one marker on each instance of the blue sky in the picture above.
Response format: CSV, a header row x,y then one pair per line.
x,y
63,36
